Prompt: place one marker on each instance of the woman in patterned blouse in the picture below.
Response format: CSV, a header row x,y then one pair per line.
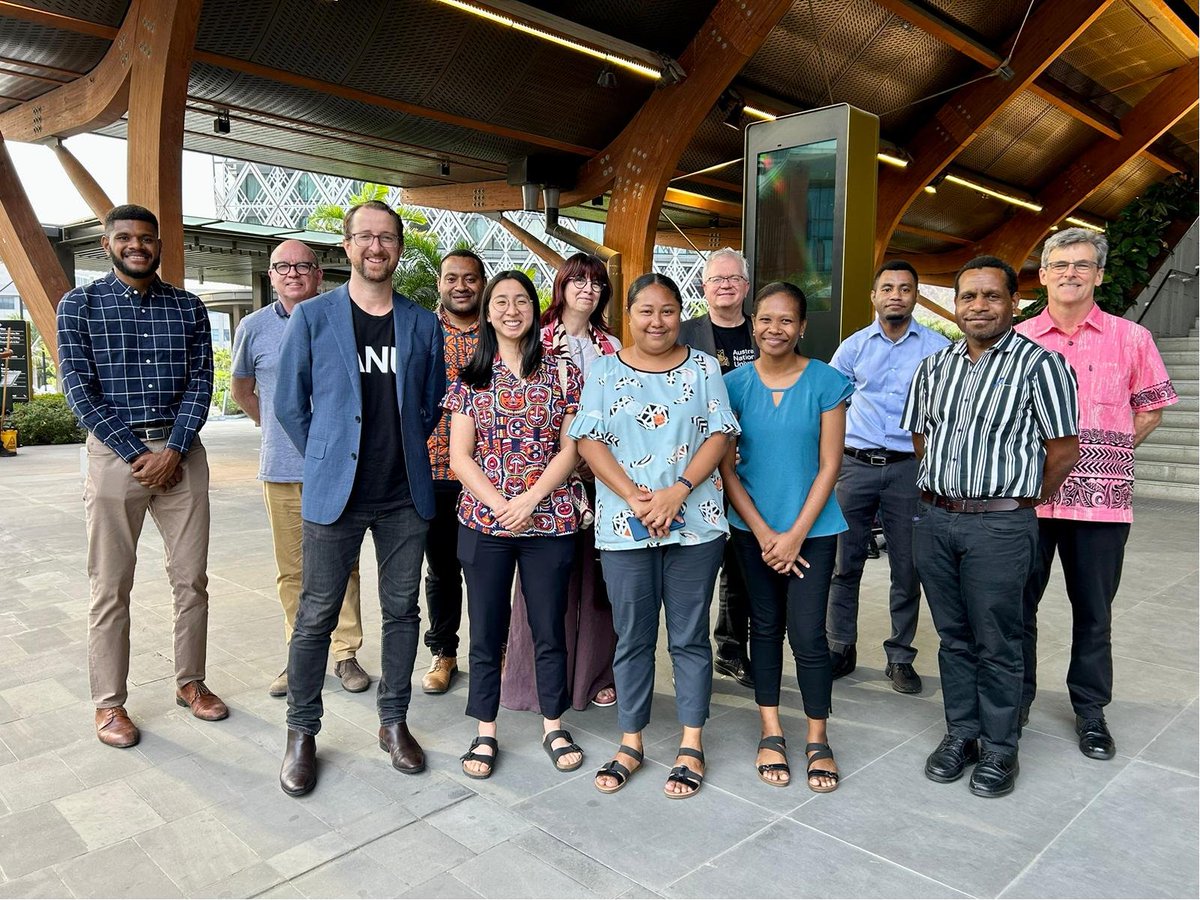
x,y
511,409
573,327
653,424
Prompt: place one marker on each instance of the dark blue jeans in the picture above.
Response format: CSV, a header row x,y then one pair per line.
x,y
330,552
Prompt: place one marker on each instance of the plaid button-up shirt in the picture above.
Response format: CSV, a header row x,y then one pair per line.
x,y
129,359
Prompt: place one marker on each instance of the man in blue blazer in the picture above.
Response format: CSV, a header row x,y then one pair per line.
x,y
361,377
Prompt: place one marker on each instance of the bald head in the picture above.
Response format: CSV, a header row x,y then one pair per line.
x,y
290,284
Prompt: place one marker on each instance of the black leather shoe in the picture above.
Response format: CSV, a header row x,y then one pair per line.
x,y
407,755
904,678
1094,738
298,775
1023,715
735,669
843,663
947,762
995,774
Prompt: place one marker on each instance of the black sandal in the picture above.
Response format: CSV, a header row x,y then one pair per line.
x,y
685,776
823,752
556,755
614,769
471,756
779,745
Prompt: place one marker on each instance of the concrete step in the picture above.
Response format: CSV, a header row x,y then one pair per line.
x,y
1184,372
1186,387
1167,453
1178,345
1188,402
1167,435
1162,490
1178,357
1174,472
1174,417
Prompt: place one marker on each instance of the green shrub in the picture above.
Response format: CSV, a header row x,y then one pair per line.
x,y
46,419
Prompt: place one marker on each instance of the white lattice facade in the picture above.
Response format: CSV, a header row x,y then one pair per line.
x,y
268,195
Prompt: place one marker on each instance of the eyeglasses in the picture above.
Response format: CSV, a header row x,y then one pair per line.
x,y
582,281
1082,266
366,238
718,280
301,268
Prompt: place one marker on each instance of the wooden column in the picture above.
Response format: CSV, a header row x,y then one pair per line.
x,y
27,254
89,189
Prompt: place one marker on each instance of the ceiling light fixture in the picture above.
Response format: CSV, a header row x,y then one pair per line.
x,y
607,78
992,192
892,160
1082,223
930,189
549,36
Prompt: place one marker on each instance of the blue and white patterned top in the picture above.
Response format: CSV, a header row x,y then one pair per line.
x,y
128,359
653,424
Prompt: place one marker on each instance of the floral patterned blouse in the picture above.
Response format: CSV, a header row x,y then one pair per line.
x,y
653,424
517,427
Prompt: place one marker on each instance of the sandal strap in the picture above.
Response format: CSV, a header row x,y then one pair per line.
x,y
773,742
614,770
478,757
809,748
485,741
825,753
558,753
551,736
775,767
685,776
823,773
629,751
692,752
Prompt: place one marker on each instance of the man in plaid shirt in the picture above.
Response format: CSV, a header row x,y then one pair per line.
x,y
137,368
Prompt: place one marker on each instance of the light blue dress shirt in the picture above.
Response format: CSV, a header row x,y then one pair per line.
x,y
881,372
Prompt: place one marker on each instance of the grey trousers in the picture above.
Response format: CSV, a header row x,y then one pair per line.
x,y
862,489
679,580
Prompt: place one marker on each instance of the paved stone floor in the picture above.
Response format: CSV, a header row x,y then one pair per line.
x,y
195,809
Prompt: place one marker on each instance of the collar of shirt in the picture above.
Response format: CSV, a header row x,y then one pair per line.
x,y
1043,324
450,326
280,311
1001,346
121,287
877,330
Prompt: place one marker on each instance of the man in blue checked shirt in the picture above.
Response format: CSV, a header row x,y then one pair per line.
x,y
137,368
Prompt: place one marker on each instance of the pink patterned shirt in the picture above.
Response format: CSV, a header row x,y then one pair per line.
x,y
1120,373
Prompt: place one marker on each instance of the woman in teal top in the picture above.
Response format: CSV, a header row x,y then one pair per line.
x,y
785,520
653,423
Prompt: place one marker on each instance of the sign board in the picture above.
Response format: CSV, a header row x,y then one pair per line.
x,y
15,372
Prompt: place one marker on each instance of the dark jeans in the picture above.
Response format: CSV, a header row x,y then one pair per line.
x,y
862,489
732,631
330,552
973,567
1092,554
443,574
545,566
779,602
678,580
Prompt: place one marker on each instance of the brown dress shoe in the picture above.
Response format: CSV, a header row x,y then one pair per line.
x,y
441,673
204,703
407,755
115,728
298,774
354,679
278,687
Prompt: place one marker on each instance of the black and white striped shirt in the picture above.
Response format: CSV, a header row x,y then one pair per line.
x,y
985,422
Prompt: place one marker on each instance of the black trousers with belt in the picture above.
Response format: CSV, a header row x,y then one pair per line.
x,y
1092,554
973,567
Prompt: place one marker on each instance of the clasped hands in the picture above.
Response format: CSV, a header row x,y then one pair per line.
x,y
515,514
781,551
656,509
158,469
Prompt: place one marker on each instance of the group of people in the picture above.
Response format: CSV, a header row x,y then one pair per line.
x,y
492,439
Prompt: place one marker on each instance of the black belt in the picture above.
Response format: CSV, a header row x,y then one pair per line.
x,y
878,457
991,504
152,432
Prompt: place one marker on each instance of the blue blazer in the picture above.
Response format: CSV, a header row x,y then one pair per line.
x,y
318,400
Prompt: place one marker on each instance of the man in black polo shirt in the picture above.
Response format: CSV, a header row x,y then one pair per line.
x,y
994,422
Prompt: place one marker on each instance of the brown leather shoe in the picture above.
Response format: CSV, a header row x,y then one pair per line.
x,y
440,675
204,703
115,728
278,687
354,679
407,755
298,774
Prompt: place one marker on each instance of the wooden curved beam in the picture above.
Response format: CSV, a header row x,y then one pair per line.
x,y
1051,28
1170,100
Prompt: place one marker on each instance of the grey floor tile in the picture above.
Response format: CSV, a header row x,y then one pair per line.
x,y
35,838
478,823
174,847
813,865
107,814
418,852
29,782
1176,746
269,821
49,731
508,870
43,883
179,787
37,697
422,795
284,891
594,873
94,763
354,875
1139,634
444,886
120,870
341,799
1141,859
305,857
252,881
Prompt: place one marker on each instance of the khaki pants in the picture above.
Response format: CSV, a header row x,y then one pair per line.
x,y
287,534
116,507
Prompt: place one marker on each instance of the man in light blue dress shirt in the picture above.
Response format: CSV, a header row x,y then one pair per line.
x,y
879,472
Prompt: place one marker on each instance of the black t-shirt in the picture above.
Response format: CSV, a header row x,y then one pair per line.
x,y
380,480
735,346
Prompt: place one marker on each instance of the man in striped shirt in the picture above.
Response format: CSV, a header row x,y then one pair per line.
x,y
994,424
135,357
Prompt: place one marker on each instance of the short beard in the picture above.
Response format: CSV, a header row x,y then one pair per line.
x,y
361,268
119,265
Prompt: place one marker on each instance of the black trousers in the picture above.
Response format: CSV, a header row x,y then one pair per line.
x,y
545,566
732,631
1092,554
779,602
973,567
443,574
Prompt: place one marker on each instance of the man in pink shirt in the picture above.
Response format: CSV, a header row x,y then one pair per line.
x,y
1123,387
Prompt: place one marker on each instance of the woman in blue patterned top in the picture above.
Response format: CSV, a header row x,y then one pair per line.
x,y
653,423
785,520
511,409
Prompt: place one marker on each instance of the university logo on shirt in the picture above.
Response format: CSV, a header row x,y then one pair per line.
x,y
377,359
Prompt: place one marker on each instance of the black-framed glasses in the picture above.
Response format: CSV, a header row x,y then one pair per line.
x,y
1082,266
366,238
301,268
582,281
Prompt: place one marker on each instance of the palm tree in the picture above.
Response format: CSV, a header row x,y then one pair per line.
x,y
416,276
